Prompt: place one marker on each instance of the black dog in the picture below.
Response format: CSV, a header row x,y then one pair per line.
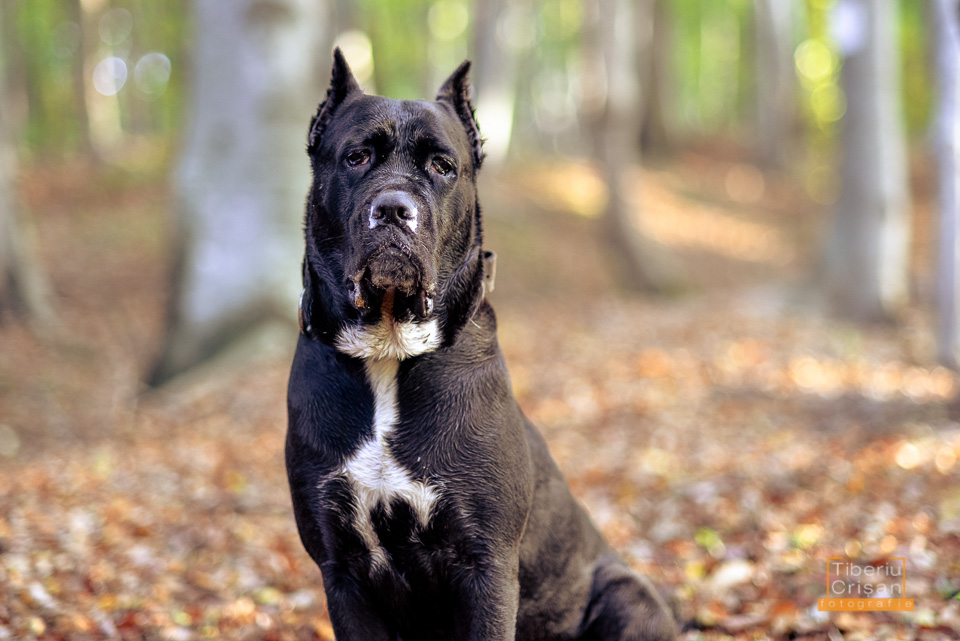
x,y
430,503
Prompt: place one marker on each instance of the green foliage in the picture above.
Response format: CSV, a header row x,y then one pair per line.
x,y
165,27
687,58
46,67
57,46
711,541
416,42
399,33
918,84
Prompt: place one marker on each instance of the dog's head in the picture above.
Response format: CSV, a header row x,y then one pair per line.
x,y
393,263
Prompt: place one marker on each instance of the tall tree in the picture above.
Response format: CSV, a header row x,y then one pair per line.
x,y
23,286
775,80
613,113
945,25
495,78
78,76
656,135
866,259
243,174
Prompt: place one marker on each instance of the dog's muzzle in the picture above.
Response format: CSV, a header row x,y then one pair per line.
x,y
404,284
393,260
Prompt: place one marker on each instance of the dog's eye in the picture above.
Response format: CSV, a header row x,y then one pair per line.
x,y
357,157
442,166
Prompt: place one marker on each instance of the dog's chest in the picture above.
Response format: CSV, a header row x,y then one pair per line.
x,y
375,477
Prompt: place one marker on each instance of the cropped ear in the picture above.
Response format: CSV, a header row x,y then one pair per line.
x,y
342,84
305,308
317,320
455,91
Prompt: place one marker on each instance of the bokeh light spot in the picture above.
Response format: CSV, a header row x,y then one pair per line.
x,y
152,72
945,459
115,26
448,19
814,60
828,103
852,548
909,456
358,49
110,75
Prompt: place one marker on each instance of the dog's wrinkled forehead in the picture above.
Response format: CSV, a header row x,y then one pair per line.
x,y
422,126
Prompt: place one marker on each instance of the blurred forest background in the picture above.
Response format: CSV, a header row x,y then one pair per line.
x,y
729,253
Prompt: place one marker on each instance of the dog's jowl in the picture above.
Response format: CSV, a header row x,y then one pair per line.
x,y
430,503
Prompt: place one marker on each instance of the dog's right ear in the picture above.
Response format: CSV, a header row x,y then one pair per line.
x,y
342,84
305,308
455,91
313,314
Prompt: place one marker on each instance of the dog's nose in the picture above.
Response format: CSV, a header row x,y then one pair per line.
x,y
394,208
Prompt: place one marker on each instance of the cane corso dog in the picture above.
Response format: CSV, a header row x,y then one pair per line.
x,y
430,503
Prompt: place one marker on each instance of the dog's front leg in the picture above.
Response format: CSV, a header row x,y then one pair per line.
x,y
351,614
490,601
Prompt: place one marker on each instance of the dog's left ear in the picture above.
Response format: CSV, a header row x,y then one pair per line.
x,y
455,91
342,84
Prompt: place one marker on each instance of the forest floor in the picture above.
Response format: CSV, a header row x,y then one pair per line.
x,y
728,440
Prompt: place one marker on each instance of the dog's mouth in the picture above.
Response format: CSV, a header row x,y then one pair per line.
x,y
392,281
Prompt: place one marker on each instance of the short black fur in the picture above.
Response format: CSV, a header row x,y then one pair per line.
x,y
504,551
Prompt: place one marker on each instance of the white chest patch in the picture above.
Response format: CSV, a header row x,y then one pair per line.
x,y
389,340
376,478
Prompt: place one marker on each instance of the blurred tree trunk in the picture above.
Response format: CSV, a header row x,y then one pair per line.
x,y
243,177
775,81
866,259
613,113
655,130
23,287
103,126
494,79
945,27
78,77
16,101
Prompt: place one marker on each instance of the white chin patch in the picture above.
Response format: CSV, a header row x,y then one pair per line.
x,y
389,339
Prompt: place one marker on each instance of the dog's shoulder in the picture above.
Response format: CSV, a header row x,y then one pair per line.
x,y
328,398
